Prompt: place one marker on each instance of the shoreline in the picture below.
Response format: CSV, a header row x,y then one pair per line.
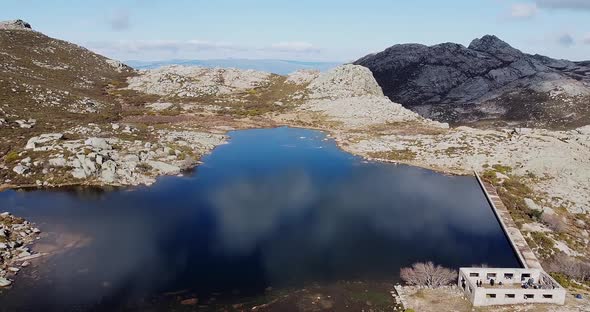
x,y
332,134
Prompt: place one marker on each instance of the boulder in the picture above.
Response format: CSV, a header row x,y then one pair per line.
x,y
131,158
42,139
24,254
15,25
345,81
26,124
302,76
584,130
118,66
79,173
20,169
164,168
532,205
57,162
108,173
98,143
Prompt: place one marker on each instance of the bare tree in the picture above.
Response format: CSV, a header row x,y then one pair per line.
x,y
427,274
572,267
554,222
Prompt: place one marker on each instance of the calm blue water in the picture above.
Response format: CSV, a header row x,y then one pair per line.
x,y
274,207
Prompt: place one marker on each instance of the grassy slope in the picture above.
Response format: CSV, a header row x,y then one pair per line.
x,y
38,70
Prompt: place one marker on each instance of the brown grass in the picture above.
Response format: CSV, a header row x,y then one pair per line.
x,y
395,155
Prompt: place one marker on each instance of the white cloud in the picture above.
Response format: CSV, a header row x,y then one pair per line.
x,y
294,46
566,40
564,4
119,20
194,49
523,10
586,39
158,46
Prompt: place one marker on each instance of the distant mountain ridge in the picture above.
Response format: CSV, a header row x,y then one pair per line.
x,y
280,67
487,81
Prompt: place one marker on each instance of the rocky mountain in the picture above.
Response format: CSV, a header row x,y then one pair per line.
x,y
487,81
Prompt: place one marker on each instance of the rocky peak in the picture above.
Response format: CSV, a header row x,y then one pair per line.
x,y
345,81
487,80
495,46
15,24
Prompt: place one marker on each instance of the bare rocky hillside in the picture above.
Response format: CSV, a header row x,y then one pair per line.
x,y
48,84
488,82
60,118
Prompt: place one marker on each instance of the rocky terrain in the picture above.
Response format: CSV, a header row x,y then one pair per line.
x,y
487,81
192,82
102,158
71,117
58,116
435,300
48,85
348,95
15,235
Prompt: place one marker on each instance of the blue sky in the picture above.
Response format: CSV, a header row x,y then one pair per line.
x,y
318,30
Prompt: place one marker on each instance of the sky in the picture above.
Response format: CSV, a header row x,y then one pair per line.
x,y
305,30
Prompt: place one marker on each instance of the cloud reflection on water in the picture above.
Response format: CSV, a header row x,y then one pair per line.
x,y
413,210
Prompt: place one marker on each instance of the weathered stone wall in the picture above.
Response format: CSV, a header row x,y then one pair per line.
x,y
510,291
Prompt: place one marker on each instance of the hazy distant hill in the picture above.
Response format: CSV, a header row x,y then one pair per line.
x,y
281,67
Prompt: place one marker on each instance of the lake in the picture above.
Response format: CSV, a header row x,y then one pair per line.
x,y
273,208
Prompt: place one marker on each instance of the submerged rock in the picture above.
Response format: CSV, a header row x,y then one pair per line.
x,y
4,282
15,233
190,301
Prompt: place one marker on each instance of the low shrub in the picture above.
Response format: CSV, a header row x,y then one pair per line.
x,y
11,157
